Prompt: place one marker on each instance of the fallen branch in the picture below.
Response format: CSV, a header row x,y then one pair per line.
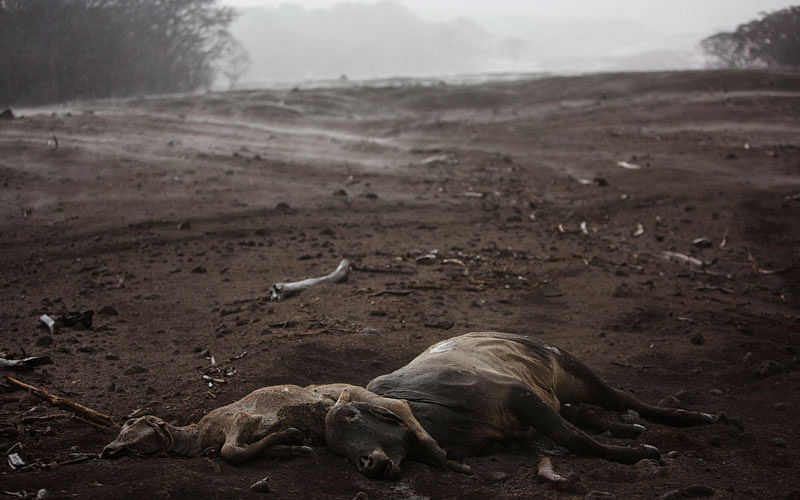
x,y
680,257
93,417
280,291
761,270
25,363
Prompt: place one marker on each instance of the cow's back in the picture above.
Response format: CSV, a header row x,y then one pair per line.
x,y
458,389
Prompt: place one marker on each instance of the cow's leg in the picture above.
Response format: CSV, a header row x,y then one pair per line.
x,y
530,408
587,418
576,383
238,448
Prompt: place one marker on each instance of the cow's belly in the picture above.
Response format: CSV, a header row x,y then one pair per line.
x,y
464,410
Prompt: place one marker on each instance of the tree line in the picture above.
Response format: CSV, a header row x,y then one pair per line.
x,y
57,50
770,41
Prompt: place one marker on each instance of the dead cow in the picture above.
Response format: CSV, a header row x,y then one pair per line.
x,y
480,390
271,421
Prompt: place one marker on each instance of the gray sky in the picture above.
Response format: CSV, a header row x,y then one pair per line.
x,y
674,16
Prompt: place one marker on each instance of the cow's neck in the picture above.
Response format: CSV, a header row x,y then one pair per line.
x,y
186,440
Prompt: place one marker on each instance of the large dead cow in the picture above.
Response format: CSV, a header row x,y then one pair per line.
x,y
480,390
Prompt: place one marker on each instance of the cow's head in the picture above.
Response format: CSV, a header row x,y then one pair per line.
x,y
146,435
373,438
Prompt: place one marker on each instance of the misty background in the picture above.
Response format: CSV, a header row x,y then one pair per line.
x,y
325,39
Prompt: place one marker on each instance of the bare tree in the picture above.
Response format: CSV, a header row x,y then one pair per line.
x,y
53,50
771,41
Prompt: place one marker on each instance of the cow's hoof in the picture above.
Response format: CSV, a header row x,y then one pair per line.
x,y
458,467
651,451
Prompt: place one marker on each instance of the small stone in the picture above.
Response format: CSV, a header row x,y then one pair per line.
x,y
261,486
340,192
498,476
184,226
112,357
199,270
108,311
778,441
204,353
44,341
698,339
600,495
649,468
769,368
42,494
371,331
715,392
715,441
87,349
134,369
687,395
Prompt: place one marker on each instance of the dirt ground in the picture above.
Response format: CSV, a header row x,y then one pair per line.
x,y
170,217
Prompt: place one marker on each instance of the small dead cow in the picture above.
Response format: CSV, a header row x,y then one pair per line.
x,y
476,392
271,421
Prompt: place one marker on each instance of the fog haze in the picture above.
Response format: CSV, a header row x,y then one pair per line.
x,y
322,39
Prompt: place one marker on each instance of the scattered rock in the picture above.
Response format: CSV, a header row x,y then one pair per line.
x,y
369,330
671,402
622,291
134,369
340,192
715,392
185,226
649,468
44,341
498,476
199,270
687,396
698,339
600,495
261,486
108,311
769,368
693,491
112,357
778,441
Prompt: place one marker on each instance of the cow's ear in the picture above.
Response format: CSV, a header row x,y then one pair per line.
x,y
344,397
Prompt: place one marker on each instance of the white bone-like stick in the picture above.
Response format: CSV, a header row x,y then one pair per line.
x,y
546,471
280,291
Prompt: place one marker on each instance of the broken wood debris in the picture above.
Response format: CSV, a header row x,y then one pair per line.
x,y
681,257
761,270
280,291
93,417
24,363
628,166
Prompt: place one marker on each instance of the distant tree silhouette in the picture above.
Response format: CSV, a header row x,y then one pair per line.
x,y
55,50
771,41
